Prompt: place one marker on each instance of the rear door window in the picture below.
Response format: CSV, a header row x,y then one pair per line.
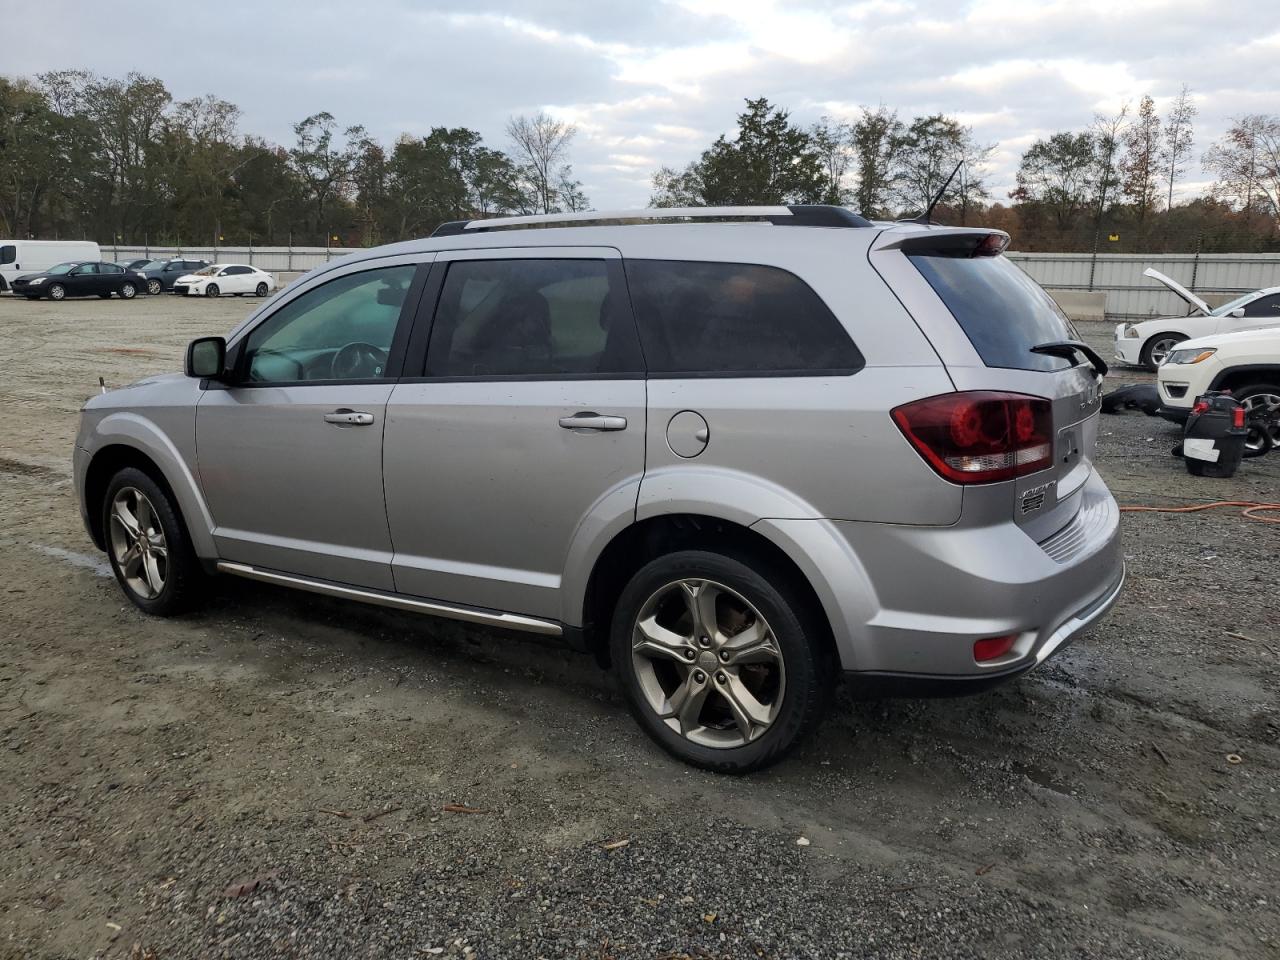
x,y
735,319
1002,311
532,318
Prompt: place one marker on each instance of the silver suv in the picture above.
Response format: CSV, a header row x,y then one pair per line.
x,y
733,452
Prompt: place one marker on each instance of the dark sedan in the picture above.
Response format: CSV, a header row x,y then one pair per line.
x,y
161,274
81,278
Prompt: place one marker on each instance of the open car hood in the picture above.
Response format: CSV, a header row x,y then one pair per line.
x,y
1179,289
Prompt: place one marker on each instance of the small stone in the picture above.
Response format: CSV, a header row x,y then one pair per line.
x,y
802,841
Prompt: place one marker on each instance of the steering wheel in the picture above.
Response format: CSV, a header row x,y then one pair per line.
x,y
358,361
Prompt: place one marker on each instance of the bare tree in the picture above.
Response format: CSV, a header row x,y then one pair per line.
x,y
542,148
1142,155
1178,138
832,141
1246,164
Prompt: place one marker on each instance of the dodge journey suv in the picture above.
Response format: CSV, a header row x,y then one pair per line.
x,y
733,452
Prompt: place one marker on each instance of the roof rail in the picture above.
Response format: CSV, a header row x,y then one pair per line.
x,y
795,215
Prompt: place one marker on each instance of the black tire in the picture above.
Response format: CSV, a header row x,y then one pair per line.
x,y
211,290
1256,444
155,287
808,664
128,291
184,578
57,291
261,290
1152,343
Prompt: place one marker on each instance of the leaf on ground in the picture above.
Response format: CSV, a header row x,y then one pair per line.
x,y
246,887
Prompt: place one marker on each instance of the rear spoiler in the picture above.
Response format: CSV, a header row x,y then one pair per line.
x,y
959,245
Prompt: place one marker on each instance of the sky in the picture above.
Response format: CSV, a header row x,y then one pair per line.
x,y
652,84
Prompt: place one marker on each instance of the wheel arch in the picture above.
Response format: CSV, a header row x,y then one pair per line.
x,y
127,440
1244,375
646,539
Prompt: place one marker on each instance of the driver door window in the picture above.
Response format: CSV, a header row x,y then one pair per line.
x,y
341,331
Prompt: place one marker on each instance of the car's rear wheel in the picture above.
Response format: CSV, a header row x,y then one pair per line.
x,y
1158,347
148,545
57,292
262,290
128,291
211,290
154,287
720,660
1261,402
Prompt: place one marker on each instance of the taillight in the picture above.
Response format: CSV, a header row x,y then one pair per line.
x,y
980,436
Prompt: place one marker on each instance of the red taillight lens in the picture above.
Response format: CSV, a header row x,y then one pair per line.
x,y
980,436
993,648
1201,406
1237,417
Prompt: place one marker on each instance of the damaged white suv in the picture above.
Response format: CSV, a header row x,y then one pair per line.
x,y
1247,364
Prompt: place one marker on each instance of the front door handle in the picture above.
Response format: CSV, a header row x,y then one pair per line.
x,y
349,418
593,421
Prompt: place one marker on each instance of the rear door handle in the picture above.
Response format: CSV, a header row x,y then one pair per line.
x,y
593,421
349,418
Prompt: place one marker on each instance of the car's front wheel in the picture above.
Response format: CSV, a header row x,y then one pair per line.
x,y
1157,348
721,660
1261,402
154,287
211,290
148,545
57,292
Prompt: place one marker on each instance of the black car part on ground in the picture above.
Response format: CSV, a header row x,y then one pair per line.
x,y
1133,396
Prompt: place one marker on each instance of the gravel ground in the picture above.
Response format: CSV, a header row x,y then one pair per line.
x,y
273,776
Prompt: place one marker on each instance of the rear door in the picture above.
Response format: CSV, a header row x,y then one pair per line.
x,y
983,316
526,422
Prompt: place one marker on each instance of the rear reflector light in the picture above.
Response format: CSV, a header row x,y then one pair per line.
x,y
993,648
980,436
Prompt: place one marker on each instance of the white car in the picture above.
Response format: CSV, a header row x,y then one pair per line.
x,y
219,278
1246,363
1149,342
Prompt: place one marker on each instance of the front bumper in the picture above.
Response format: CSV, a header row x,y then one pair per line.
x,y
1127,349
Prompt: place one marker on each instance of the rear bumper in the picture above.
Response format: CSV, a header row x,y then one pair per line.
x,y
909,602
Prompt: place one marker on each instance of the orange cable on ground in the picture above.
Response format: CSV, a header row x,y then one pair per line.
x,y
1251,509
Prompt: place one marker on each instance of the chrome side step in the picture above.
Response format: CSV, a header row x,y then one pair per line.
x,y
512,621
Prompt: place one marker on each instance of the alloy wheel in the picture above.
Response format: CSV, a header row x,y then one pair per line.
x,y
1161,349
138,543
57,292
1264,407
707,663
153,287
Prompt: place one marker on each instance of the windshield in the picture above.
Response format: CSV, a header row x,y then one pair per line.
x,y
1226,308
62,268
208,271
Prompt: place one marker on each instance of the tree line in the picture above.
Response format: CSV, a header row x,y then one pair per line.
x,y
104,158
1112,184
83,155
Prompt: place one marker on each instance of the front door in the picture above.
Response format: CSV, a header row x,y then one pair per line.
x,y
527,426
290,455
83,281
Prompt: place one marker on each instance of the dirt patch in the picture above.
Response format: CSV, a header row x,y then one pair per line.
x,y
148,767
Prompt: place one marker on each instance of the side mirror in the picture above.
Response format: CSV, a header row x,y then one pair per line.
x,y
1238,312
207,358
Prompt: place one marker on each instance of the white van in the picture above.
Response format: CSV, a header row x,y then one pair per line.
x,y
20,257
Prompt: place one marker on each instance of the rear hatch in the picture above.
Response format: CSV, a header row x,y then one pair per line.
x,y
997,330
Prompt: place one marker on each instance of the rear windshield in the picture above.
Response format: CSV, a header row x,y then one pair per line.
x,y
1002,311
